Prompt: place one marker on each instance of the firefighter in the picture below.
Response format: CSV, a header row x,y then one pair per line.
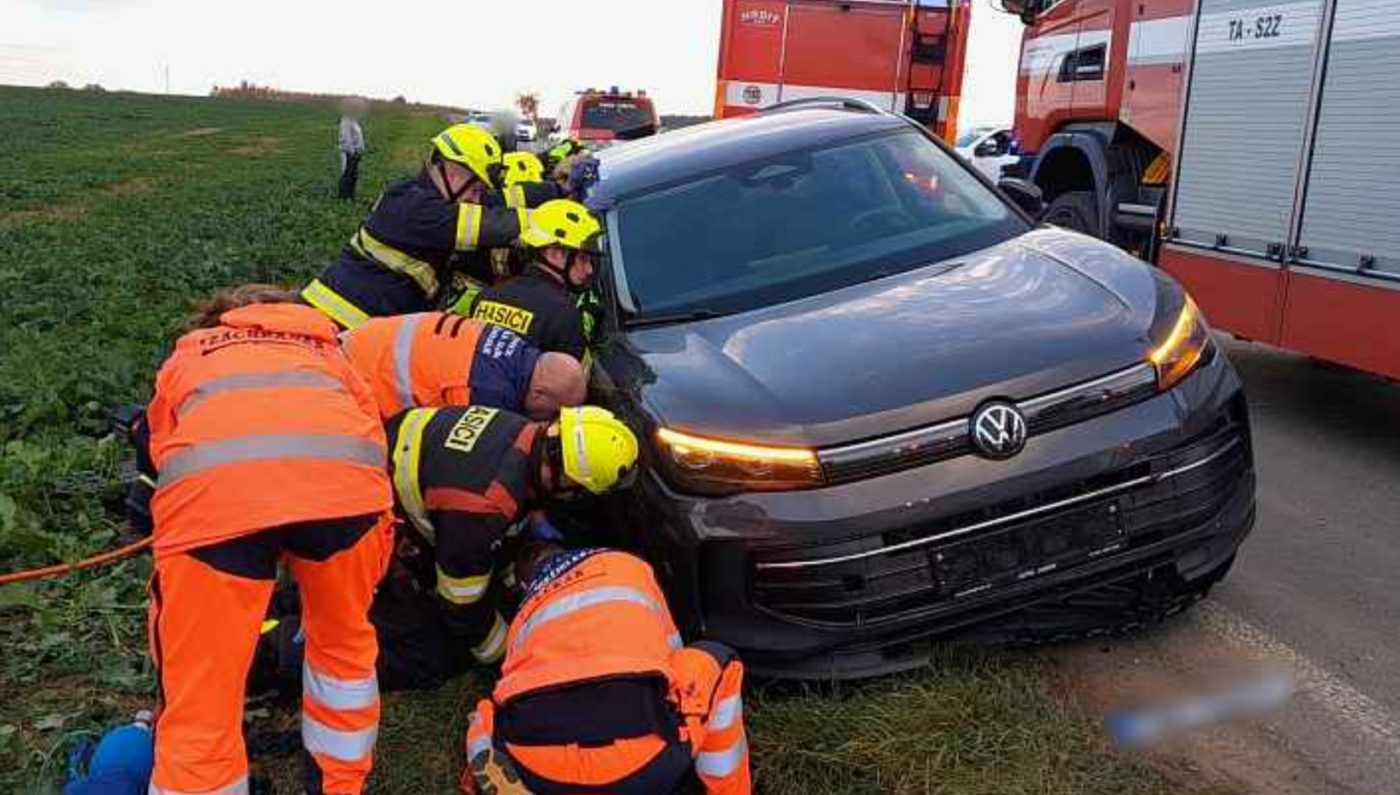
x,y
268,447
463,475
542,303
523,181
441,359
401,259
597,694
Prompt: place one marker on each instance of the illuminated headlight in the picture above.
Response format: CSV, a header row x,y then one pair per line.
x,y
717,466
1187,346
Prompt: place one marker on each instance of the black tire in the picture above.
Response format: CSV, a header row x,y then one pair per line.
x,y
1075,210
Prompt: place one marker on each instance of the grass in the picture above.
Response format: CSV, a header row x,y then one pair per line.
x,y
117,212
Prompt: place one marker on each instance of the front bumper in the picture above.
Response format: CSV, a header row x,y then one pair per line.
x,y
850,580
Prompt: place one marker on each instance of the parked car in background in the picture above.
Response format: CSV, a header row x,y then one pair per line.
x,y
599,118
989,149
526,130
880,405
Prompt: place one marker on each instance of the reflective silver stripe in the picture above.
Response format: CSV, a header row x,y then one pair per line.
x,y
240,381
340,694
347,746
238,786
477,744
718,764
581,447
403,359
725,713
674,641
199,457
570,604
489,650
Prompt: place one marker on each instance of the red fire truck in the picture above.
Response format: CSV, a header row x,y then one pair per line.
x,y
905,56
1245,146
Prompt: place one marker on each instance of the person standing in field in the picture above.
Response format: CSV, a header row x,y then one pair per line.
x,y
352,146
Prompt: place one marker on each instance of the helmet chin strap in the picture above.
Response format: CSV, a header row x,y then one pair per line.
x,y
565,274
453,196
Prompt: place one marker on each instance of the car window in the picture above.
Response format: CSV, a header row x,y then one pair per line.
x,y
620,114
803,223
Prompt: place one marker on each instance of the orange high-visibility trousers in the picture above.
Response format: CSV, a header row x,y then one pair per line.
x,y
207,608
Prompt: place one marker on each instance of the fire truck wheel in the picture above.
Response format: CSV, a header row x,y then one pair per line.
x,y
1075,210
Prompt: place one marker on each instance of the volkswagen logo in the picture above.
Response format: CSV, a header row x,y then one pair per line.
x,y
998,430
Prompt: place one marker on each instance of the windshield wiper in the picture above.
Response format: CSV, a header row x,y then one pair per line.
x,y
668,318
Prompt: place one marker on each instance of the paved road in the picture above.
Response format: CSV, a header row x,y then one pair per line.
x,y
1317,587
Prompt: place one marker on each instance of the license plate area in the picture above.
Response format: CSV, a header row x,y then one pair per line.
x,y
1027,550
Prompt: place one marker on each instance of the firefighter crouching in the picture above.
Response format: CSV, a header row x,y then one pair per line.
x,y
542,303
421,232
597,694
268,447
462,476
441,359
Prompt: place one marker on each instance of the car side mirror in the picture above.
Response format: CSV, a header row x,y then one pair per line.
x,y
1024,194
988,148
1025,9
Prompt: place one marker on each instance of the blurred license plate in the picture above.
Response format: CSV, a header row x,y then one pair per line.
x,y
1027,550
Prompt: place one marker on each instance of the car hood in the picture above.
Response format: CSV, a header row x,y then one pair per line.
x,y
1031,315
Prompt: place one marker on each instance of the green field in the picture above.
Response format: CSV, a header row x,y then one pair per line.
x,y
117,212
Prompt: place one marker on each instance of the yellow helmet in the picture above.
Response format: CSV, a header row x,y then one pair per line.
x,y
563,222
522,167
598,450
472,147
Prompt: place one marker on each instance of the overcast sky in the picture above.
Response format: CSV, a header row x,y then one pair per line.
x,y
455,52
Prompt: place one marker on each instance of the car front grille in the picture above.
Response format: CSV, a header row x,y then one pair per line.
x,y
1043,413
873,579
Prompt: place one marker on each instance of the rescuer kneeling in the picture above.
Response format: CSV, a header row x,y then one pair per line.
x,y
463,476
597,694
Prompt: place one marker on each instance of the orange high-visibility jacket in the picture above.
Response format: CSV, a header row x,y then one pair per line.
x,y
432,359
261,422
598,616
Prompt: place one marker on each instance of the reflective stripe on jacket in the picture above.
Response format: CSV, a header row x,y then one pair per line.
x,y
438,359
261,422
598,616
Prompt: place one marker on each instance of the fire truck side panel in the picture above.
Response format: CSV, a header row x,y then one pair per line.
x,y
874,46
1352,209
1155,67
1244,127
751,50
1349,319
1344,289
1240,294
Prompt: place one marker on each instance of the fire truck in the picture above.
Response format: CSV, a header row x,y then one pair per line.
x,y
1245,146
905,56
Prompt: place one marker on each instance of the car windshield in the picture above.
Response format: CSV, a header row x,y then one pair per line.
x,y
619,114
802,223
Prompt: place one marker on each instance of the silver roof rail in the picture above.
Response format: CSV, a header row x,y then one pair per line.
x,y
844,102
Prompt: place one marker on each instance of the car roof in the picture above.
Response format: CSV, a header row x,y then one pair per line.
x,y
646,163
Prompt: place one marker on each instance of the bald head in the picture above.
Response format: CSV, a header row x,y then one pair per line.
x,y
558,381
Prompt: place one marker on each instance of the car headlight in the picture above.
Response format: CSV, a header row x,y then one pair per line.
x,y
1187,346
716,466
